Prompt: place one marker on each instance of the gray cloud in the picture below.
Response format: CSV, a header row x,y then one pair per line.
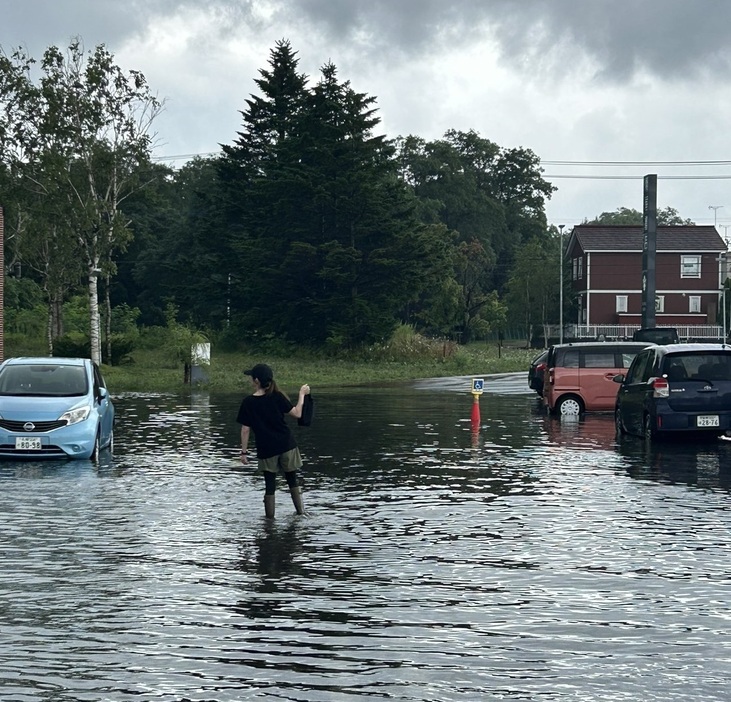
x,y
671,39
590,79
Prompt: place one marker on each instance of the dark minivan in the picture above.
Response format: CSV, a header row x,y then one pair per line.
x,y
676,388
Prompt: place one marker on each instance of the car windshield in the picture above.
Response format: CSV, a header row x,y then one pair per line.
x,y
698,366
48,380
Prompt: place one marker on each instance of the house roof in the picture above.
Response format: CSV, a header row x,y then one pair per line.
x,y
599,237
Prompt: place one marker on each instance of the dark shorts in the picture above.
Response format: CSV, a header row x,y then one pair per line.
x,y
287,461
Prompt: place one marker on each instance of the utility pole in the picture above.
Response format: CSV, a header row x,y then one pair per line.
x,y
649,248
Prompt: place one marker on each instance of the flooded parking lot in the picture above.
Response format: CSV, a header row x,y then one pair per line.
x,y
524,558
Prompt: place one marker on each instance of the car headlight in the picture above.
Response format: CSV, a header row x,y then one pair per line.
x,y
77,415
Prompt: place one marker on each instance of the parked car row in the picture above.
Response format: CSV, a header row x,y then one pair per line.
x,y
654,390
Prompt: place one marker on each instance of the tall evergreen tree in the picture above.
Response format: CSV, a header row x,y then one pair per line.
x,y
332,248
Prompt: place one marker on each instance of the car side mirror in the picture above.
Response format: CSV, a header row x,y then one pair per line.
x,y
619,378
103,393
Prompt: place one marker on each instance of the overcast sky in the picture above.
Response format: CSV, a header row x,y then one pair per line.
x,y
640,82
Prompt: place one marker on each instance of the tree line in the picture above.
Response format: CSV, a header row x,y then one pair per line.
x,y
308,226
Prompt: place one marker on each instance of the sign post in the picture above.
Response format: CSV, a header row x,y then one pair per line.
x,y
477,387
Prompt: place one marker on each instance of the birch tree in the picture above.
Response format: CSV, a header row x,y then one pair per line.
x,y
77,137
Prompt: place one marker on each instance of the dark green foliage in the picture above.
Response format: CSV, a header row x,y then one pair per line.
x,y
76,345
332,247
184,252
626,215
493,200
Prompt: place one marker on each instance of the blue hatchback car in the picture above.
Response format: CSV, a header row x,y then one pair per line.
x,y
54,408
676,389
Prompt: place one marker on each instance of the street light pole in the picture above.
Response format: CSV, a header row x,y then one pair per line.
x,y
715,209
723,264
560,283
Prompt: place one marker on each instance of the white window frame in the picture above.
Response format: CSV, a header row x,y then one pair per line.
x,y
690,266
580,273
694,304
660,303
621,302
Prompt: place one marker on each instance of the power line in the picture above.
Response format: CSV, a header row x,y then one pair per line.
x,y
634,163
579,176
557,176
188,157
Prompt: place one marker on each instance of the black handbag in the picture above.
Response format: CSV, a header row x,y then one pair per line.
x,y
308,411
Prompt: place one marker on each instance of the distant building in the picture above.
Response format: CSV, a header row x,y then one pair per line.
x,y
606,275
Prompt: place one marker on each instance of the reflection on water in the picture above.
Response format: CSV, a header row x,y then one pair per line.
x,y
524,558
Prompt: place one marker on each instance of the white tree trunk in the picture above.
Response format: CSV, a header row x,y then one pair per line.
x,y
94,320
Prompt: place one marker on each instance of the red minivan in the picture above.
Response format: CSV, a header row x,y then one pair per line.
x,y
580,377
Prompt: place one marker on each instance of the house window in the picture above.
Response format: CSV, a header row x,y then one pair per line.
x,y
575,267
694,303
690,266
621,303
580,273
659,303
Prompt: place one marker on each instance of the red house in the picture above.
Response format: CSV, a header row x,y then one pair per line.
x,y
606,274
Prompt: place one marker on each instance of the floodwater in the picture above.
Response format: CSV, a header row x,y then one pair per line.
x,y
514,558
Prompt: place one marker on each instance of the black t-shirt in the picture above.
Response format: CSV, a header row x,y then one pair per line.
x,y
264,414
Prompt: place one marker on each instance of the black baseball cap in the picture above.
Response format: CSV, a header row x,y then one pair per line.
x,y
262,372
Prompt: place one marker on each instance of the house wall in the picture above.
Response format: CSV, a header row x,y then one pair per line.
x,y
608,274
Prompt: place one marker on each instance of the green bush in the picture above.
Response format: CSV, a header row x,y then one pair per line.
x,y
406,344
72,345
77,345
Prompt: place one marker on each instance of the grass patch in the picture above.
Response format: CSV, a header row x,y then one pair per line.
x,y
150,371
407,356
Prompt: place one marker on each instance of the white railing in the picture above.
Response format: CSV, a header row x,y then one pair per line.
x,y
625,331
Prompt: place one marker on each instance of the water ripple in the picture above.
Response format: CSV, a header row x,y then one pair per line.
x,y
528,560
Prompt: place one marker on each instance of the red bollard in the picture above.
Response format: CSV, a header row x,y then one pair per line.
x,y
477,384
475,412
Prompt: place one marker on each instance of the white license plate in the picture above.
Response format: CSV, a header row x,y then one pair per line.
x,y
707,420
28,443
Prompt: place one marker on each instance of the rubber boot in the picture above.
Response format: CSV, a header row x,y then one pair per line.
x,y
269,506
296,493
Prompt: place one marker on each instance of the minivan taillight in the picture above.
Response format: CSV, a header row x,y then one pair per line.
x,y
660,387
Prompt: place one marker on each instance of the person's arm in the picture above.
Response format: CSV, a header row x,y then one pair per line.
x,y
245,431
296,411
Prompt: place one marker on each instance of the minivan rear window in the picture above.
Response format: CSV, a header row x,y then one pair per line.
x,y
567,358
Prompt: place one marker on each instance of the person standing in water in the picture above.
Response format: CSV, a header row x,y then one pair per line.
x,y
263,413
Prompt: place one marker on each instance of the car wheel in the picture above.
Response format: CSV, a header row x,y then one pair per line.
x,y
96,450
569,406
619,427
648,429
